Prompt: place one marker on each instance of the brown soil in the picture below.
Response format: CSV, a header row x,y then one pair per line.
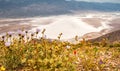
x,y
115,23
7,25
96,22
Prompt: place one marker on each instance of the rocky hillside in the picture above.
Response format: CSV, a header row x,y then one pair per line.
x,y
111,37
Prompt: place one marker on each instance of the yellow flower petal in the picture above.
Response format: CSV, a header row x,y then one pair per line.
x,y
2,68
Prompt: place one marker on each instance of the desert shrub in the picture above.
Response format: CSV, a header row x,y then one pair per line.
x,y
41,54
116,44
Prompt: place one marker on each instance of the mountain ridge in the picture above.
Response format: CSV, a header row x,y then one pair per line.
x,y
30,8
110,37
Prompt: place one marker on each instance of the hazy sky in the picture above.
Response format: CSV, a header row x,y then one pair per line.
x,y
113,1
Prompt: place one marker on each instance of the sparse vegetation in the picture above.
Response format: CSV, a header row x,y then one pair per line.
x,y
25,53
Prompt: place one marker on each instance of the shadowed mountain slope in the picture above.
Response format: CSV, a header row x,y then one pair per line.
x,y
111,37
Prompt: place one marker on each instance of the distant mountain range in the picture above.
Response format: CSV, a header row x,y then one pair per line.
x,y
30,8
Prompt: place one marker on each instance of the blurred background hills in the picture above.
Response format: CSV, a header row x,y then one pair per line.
x,y
31,8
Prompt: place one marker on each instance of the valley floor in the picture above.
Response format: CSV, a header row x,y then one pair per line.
x,y
87,26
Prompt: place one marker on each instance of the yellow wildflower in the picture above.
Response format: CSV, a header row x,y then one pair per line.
x,y
2,68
